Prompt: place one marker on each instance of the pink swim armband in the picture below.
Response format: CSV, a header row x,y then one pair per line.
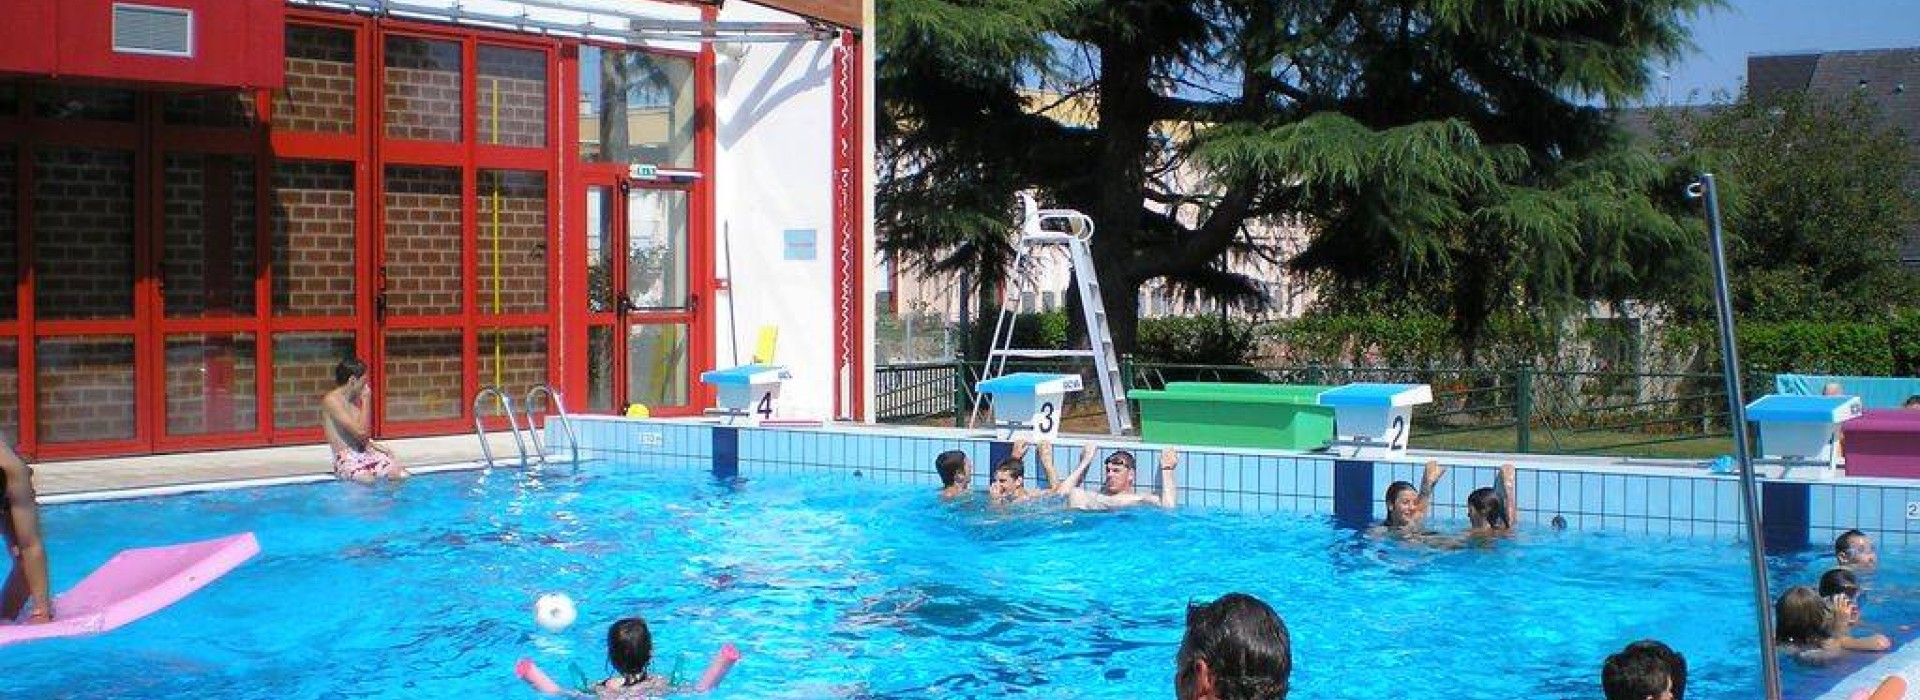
x,y
536,678
723,662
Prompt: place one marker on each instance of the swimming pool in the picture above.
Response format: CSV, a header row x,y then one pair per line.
x,y
840,587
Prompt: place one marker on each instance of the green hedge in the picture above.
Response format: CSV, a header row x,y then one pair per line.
x,y
1196,340
1887,347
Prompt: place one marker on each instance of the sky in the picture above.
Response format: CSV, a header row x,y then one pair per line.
x,y
1724,38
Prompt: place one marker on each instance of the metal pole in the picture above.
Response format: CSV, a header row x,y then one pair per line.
x,y
1523,407
1737,412
733,314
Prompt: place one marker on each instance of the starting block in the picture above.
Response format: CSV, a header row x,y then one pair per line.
x,y
1802,431
1373,421
1029,400
747,390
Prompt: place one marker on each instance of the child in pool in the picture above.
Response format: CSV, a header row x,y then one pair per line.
x,y
1493,509
629,650
1406,507
1817,630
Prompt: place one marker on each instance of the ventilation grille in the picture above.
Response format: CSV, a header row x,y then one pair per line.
x,y
161,31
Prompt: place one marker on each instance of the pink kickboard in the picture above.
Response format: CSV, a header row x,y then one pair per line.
x,y
134,584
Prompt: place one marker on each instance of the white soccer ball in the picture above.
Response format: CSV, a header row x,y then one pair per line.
x,y
553,612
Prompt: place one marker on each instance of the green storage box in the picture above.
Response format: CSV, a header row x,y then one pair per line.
x,y
1274,416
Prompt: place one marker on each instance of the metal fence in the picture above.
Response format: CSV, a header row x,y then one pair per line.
x,y
1517,409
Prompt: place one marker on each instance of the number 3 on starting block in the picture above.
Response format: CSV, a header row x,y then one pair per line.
x,y
1030,402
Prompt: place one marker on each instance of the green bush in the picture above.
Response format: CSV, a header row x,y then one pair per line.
x,y
1195,340
1417,340
1805,347
1042,330
1903,333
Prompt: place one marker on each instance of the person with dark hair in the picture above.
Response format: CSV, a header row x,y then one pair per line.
x,y
1406,508
20,529
1911,402
1008,484
1116,491
956,474
1493,509
1643,671
1817,630
1853,549
343,416
1235,648
1842,582
1676,664
629,651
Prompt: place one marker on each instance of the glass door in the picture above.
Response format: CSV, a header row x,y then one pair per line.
x,y
641,309
655,305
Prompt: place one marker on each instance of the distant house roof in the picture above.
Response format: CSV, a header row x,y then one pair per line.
x,y
1889,78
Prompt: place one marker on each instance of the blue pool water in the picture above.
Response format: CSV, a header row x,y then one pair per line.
x,y
837,587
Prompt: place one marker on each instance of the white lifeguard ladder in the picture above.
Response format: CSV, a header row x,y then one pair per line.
x,y
1041,229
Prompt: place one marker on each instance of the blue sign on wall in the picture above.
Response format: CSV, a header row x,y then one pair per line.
x,y
800,244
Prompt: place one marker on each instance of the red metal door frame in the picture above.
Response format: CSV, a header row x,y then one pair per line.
x,y
354,148
700,242
14,326
238,141
122,136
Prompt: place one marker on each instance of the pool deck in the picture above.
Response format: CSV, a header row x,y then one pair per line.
x,y
290,461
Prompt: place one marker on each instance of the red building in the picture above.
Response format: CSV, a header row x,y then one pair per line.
x,y
206,204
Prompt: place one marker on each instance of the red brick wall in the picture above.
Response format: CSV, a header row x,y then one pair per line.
x,y
83,233
319,96
517,80
184,263
193,361
9,232
302,373
423,240
423,89
523,358
84,389
423,375
313,239
521,238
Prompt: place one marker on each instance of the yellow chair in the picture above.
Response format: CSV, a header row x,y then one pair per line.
x,y
763,348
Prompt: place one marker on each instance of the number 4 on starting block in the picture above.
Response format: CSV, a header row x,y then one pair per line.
x,y
1030,401
747,390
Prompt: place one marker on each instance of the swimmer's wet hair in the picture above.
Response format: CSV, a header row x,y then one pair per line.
x,y
630,647
1245,644
949,464
1486,503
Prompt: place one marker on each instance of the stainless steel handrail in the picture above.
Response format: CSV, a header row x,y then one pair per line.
x,y
566,421
513,423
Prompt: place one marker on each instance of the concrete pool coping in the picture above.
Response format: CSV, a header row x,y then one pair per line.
x,y
311,462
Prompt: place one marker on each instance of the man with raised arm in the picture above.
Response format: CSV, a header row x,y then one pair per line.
x,y
1117,490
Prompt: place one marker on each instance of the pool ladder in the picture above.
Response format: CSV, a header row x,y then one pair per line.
x,y
513,422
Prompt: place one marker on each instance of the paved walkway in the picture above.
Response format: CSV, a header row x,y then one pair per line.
x,y
52,478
